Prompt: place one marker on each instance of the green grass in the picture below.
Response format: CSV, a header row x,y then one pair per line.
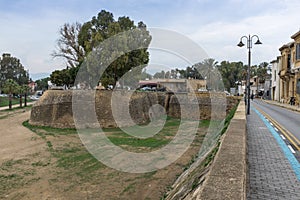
x,y
136,142
44,131
129,188
228,118
4,101
204,123
15,174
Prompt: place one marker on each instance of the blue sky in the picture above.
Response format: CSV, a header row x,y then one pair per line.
x,y
29,28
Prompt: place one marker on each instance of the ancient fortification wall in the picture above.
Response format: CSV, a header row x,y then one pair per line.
x,y
55,107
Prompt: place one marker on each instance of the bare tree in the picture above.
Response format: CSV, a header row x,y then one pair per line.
x,y
68,46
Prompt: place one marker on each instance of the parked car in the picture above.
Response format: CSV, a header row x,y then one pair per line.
x,y
34,97
146,88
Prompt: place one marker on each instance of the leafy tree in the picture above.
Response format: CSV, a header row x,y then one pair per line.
x,y
193,72
262,71
104,26
11,68
159,75
61,77
42,84
10,86
208,69
232,72
78,41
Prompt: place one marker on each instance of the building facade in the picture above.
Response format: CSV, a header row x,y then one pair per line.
x,y
176,85
296,66
287,90
276,67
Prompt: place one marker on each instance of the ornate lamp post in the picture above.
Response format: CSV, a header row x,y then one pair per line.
x,y
249,46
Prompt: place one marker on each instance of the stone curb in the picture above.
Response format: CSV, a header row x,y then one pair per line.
x,y
283,105
227,177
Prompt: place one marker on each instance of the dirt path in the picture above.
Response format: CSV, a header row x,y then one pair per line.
x,y
16,140
20,150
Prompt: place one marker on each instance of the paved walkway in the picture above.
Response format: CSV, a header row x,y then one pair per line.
x,y
271,175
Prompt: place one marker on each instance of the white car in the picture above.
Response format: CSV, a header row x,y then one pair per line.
x,y
35,98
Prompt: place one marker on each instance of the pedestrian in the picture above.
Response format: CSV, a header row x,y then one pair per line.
x,y
252,96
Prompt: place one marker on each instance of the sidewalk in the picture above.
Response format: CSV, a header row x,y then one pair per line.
x,y
284,105
271,175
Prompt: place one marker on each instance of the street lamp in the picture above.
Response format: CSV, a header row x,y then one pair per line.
x,y
249,46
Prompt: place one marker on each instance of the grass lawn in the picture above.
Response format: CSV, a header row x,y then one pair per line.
x,y
4,101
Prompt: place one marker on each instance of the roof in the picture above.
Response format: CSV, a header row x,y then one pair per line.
x,y
155,81
288,45
295,35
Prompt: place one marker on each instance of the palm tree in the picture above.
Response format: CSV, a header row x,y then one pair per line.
x,y
20,90
10,86
25,91
208,68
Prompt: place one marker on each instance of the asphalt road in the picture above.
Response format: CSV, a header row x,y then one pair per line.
x,y
290,120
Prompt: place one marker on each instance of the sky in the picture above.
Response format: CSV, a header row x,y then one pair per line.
x,y
30,28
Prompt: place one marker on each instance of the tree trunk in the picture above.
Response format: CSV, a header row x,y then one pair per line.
x,y
25,100
10,101
20,101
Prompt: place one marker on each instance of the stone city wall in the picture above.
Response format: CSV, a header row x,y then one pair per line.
x,y
55,107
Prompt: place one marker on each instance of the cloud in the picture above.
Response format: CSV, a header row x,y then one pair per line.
x,y
30,28
274,28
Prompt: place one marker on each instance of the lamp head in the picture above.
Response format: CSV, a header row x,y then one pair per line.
x,y
258,42
241,44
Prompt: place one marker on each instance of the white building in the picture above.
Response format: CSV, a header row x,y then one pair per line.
x,y
276,67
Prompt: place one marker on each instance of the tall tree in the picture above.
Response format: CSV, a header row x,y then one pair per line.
x,y
159,75
232,73
68,46
10,86
11,68
208,69
104,26
78,41
26,89
262,71
20,91
42,84
61,77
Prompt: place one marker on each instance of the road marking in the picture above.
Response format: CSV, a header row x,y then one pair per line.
x,y
282,137
271,124
286,150
290,137
276,129
291,148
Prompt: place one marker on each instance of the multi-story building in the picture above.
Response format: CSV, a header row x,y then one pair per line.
x,y
296,66
287,88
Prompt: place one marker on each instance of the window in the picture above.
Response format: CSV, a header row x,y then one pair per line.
x,y
298,86
298,51
289,62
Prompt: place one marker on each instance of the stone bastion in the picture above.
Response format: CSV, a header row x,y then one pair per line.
x,y
55,108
